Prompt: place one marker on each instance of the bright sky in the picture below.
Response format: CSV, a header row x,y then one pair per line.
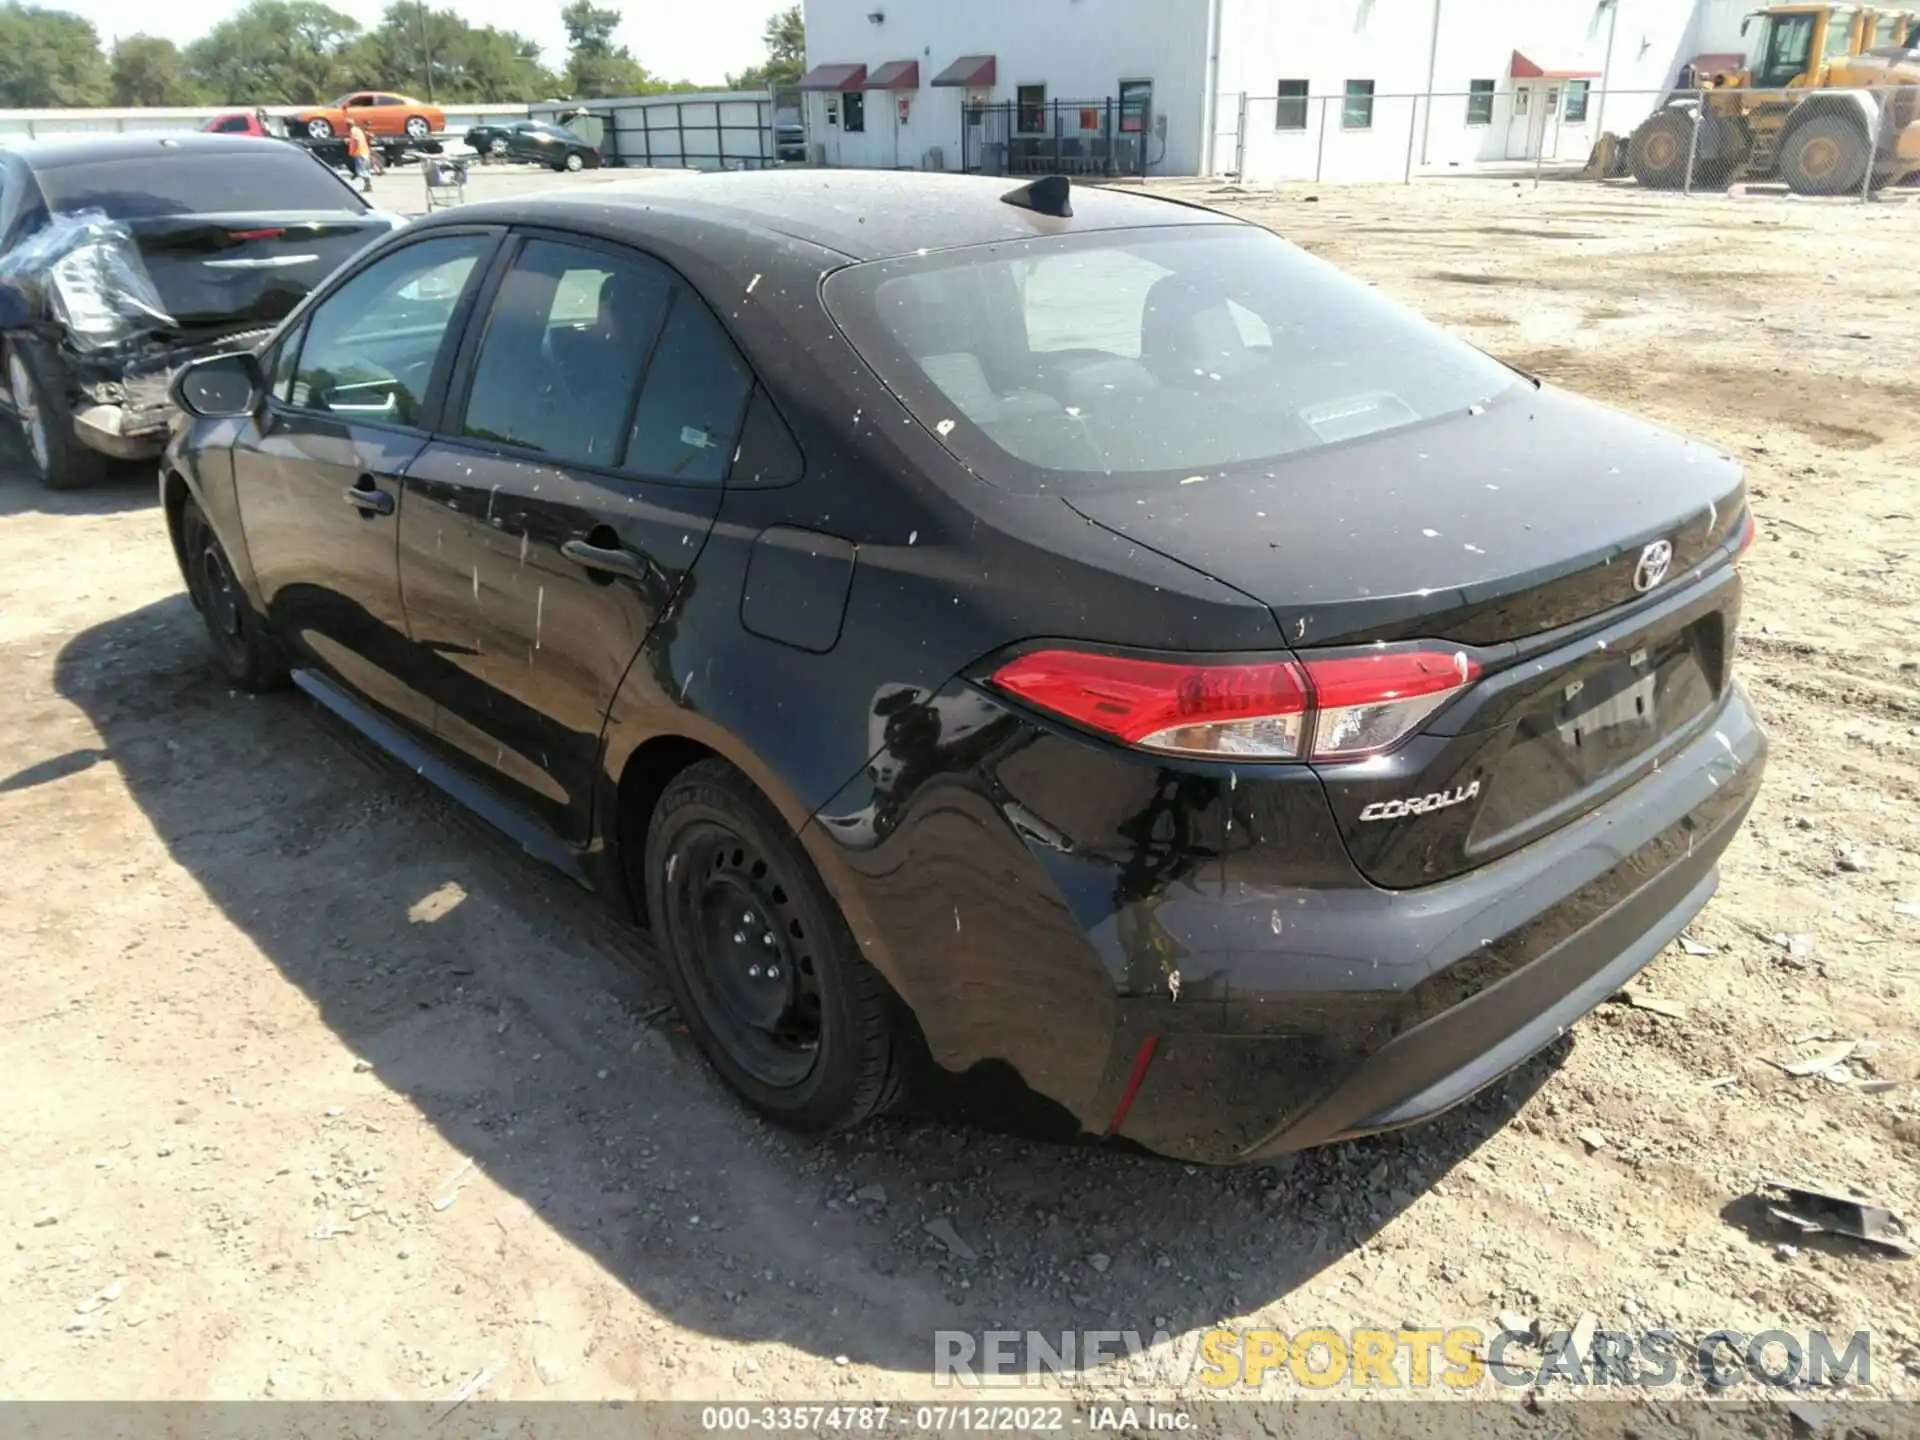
x,y
699,42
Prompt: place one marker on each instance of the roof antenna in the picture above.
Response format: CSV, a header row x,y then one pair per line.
x,y
1049,195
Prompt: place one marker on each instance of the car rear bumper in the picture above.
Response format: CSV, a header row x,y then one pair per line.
x,y
1245,1002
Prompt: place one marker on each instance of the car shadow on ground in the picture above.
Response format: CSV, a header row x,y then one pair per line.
x,y
527,1025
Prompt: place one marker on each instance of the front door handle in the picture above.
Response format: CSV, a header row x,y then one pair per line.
x,y
368,498
606,559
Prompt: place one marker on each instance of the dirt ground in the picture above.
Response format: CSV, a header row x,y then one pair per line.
x,y
317,1088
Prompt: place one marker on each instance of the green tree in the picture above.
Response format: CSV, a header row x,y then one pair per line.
x,y
596,67
469,62
49,58
288,52
785,37
150,70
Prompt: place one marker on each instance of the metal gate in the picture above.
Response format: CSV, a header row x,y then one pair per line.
x,y
1057,137
1229,135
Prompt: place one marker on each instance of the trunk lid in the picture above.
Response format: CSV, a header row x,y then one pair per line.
x,y
1528,534
245,269
1478,528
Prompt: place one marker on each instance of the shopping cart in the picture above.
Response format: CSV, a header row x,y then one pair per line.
x,y
446,182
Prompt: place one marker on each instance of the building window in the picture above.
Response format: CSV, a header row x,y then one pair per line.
x,y
1290,110
1356,112
1479,102
1030,103
854,109
1577,90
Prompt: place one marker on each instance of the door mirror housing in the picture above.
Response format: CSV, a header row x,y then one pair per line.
x,y
220,387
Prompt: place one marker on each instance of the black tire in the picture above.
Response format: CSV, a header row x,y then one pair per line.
x,y
418,128
497,147
243,650
733,897
1657,154
1825,155
39,388
320,128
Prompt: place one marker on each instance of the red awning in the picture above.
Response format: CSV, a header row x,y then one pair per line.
x,y
971,72
835,77
896,75
1525,69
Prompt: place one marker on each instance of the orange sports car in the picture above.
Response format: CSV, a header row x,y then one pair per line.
x,y
381,115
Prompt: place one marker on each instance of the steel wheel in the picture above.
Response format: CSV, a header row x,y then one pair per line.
x,y
756,982
245,655
33,423
769,980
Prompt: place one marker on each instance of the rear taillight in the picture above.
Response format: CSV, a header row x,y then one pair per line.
x,y
1332,707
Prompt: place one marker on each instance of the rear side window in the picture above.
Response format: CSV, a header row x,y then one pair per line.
x,y
1148,353
269,176
564,348
696,390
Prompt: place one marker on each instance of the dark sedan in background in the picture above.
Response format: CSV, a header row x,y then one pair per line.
x,y
195,242
536,141
1061,642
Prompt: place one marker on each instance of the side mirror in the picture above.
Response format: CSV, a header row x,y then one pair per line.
x,y
16,310
221,387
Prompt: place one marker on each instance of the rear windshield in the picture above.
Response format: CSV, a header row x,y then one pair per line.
x,y
1139,353
278,177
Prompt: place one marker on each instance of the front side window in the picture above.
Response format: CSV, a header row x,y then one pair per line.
x,y
372,345
1577,93
1356,111
1479,102
1290,110
564,349
1079,362
1839,36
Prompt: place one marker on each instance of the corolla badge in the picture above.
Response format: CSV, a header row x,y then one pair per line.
x,y
1652,568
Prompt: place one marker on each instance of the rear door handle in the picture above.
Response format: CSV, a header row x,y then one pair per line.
x,y
368,498
607,560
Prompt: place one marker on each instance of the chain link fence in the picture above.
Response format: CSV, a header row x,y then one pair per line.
x,y
1828,142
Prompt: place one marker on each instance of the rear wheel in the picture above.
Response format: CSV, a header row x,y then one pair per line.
x,y
417,128
1825,155
767,976
242,649
60,461
320,128
575,161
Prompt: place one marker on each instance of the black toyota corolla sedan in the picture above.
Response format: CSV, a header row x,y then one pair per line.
x,y
1058,638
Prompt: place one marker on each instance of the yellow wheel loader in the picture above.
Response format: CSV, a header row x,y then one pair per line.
x,y
1826,101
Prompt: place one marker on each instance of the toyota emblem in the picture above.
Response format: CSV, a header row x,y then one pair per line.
x,y
1652,568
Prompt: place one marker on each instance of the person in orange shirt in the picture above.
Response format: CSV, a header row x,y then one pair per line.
x,y
359,154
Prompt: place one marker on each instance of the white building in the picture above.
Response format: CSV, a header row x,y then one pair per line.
x,y
1267,89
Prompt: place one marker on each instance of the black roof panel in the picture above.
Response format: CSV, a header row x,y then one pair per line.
x,y
152,145
864,214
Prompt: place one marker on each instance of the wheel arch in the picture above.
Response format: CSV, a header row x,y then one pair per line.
x,y
1859,106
